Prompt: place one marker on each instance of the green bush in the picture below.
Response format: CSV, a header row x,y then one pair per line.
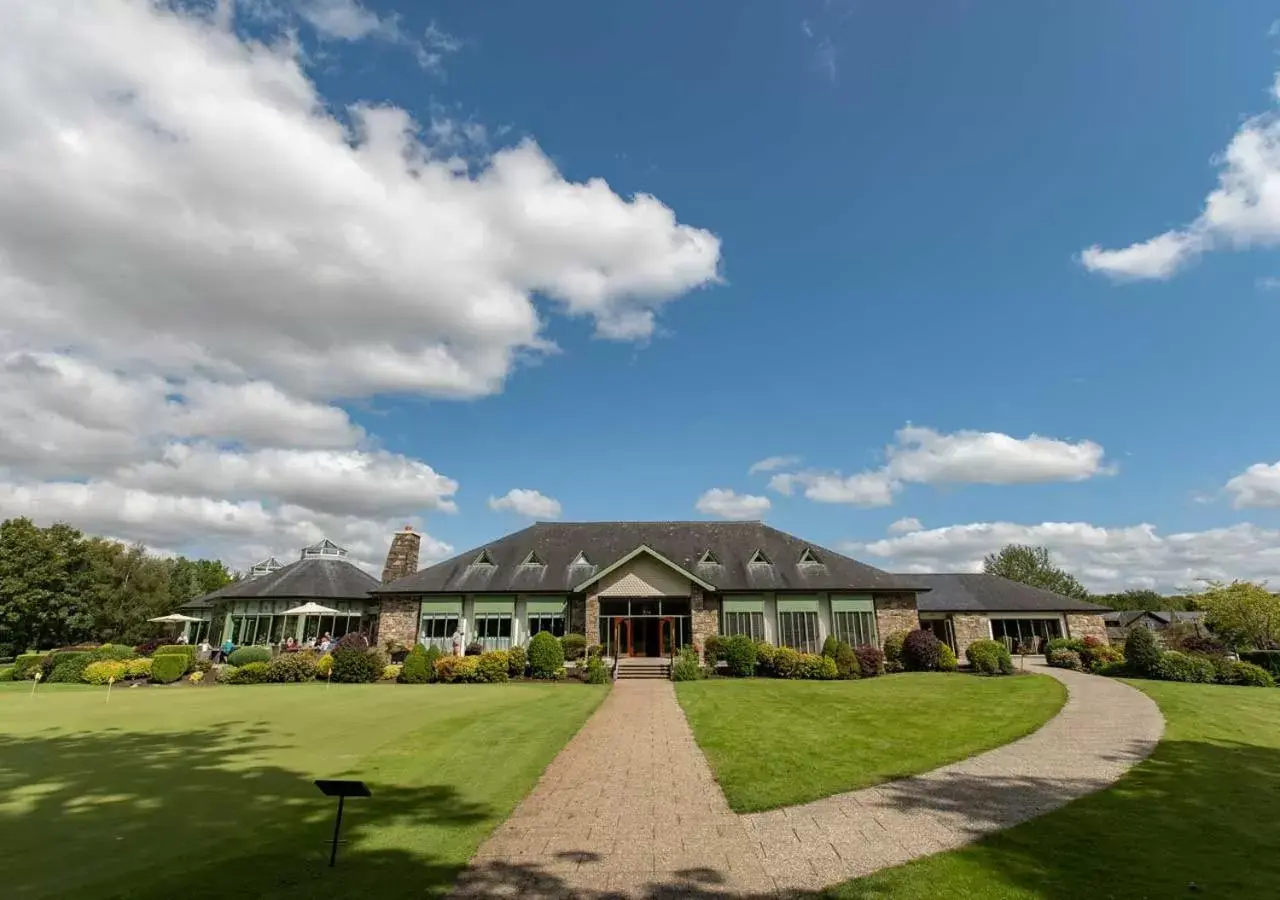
x,y
947,661
546,655
786,663
713,649
687,666
830,645
66,667
597,672
740,655
1247,674
815,667
1112,669
291,667
138,667
990,658
416,668
1175,666
249,673
324,665
893,651
118,652
391,671
920,651
847,666
517,659
226,674
1062,658
459,669
166,668
1267,659
103,671
492,667
26,665
764,657
870,660
7,673
1095,658
353,665
1074,644
574,646
242,656
1142,652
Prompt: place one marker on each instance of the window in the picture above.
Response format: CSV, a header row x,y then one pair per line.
x,y
581,560
533,559
493,630
759,559
798,630
1033,632
437,630
708,559
484,559
749,623
552,622
807,558
855,628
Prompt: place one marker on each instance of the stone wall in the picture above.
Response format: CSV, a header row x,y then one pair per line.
x,y
402,558
398,621
592,625
1082,625
706,615
968,629
895,612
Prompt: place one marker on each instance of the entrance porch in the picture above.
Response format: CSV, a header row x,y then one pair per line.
x,y
654,627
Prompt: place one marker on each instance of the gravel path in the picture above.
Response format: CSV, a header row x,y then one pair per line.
x,y
629,808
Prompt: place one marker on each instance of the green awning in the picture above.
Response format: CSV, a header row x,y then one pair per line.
x,y
496,605
743,605
545,607
798,604
449,607
848,603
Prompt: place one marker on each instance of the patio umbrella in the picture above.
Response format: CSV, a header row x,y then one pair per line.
x,y
311,608
175,618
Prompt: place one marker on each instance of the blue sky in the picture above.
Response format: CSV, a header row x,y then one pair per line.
x,y
901,196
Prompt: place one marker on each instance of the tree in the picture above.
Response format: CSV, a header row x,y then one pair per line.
x,y
44,574
1140,599
1033,566
129,587
1242,613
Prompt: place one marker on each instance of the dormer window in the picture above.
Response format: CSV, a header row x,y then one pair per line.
x,y
759,559
484,559
325,549
708,559
808,558
266,567
580,560
533,559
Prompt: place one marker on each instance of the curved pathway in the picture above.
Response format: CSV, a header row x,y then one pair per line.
x,y
629,808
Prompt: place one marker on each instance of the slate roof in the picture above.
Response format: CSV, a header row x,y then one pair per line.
x,y
306,579
990,593
732,544
1126,617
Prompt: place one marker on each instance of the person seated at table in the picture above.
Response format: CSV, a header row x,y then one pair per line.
x,y
326,643
290,644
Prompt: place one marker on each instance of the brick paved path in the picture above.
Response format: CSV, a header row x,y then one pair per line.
x,y
630,809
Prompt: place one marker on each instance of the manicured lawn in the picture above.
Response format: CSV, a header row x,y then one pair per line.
x,y
775,743
207,792
1201,809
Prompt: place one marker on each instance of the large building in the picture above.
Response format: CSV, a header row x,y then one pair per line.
x,y
640,589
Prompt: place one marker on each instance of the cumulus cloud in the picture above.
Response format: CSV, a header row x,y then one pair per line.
x,y
905,525
1256,486
1243,211
528,503
1104,559
925,456
772,464
729,504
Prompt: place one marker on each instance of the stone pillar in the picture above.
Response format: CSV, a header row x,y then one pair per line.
x,y
706,615
1082,625
402,558
895,612
967,630
591,627
398,621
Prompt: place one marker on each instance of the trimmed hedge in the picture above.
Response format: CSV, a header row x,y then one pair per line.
x,y
357,666
26,665
461,669
103,671
920,651
990,658
7,673
67,667
546,655
847,666
118,652
189,649
249,673
291,667
242,656
166,668
138,667
416,668
574,646
740,654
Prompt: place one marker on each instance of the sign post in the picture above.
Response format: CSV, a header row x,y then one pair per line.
x,y
342,790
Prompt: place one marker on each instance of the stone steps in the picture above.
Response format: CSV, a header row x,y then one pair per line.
x,y
644,667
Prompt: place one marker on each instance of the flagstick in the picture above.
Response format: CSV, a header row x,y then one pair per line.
x,y
35,684
110,681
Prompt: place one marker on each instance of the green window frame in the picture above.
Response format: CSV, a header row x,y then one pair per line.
x,y
742,615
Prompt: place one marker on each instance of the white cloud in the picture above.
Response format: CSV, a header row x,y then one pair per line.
x,y
349,20
773,463
1104,559
925,456
344,19
728,504
1243,211
905,525
1256,486
528,503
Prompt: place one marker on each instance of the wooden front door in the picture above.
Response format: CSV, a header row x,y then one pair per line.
x,y
622,637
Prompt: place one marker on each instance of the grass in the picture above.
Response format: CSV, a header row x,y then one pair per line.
x,y
775,743
1201,810
207,792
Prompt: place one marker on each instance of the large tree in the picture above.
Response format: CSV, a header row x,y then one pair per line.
x,y
1242,613
1135,598
1033,566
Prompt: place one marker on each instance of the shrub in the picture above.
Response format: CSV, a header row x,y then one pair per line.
x,y
249,673
546,655
324,665
391,671
195,677
1248,674
26,665
103,671
116,652
830,645
893,651
1075,645
595,651
517,659
203,665
1062,658
357,664
870,660
166,668
740,654
714,648
1142,652
245,655
846,661
475,648
491,667
920,651
433,654
786,663
1098,657
139,667
416,668
188,649
597,672
990,658
291,667
1267,659
147,647
457,669
815,667
7,673
574,646
1112,669
1175,666
764,657
66,667
687,666
226,674
947,661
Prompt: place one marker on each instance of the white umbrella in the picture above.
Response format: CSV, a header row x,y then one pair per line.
x,y
175,618
311,608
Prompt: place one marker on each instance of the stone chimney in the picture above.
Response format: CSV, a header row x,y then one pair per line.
x,y
402,558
